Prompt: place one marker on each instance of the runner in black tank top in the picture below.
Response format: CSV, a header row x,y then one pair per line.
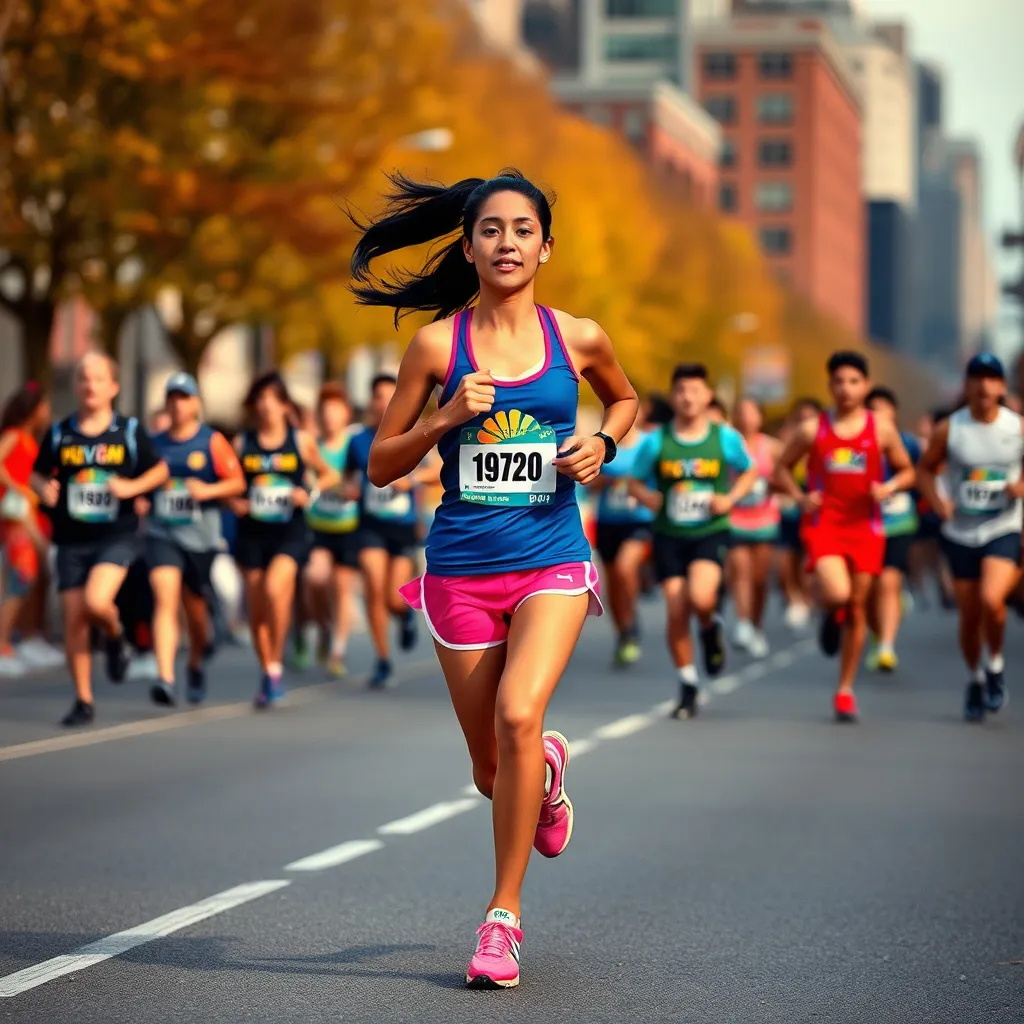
x,y
273,539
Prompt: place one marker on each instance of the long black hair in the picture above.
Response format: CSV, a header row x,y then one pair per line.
x,y
19,408
420,212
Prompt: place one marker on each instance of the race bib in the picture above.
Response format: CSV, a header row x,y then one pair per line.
x,y
174,506
508,461
15,506
758,494
898,505
331,511
386,502
618,498
689,504
982,492
270,499
89,497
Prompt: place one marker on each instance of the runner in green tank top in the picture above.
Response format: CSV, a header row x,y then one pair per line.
x,y
701,469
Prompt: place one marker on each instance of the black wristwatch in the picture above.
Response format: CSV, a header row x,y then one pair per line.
x,y
610,447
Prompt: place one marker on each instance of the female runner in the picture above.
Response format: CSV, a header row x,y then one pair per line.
x,y
509,582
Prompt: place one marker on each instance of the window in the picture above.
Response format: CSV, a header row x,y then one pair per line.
x,y
727,198
773,196
640,8
775,65
720,65
776,241
775,108
774,153
641,47
634,124
721,108
727,157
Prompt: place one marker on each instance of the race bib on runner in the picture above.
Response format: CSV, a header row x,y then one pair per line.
x,y
982,492
508,461
270,499
898,505
386,502
332,512
689,504
89,497
619,499
174,506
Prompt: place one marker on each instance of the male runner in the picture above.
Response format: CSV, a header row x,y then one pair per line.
x,y
900,525
982,449
700,470
90,469
842,532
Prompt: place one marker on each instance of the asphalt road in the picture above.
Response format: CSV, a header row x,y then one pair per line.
x,y
758,864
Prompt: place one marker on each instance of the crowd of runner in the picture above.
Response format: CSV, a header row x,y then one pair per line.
x,y
847,517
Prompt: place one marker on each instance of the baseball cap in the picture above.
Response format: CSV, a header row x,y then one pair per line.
x,y
182,384
984,364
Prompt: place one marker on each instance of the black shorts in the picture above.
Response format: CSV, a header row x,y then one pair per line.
x,y
929,528
258,549
673,556
343,547
194,566
789,534
611,537
965,562
76,561
399,540
897,552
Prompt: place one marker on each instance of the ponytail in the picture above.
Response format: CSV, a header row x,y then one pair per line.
x,y
417,213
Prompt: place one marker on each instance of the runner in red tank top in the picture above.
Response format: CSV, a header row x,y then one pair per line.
x,y
842,528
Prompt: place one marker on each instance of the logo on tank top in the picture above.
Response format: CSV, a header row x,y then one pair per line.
x,y
846,460
196,460
275,462
507,460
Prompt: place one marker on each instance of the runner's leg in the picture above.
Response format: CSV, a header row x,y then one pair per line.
x,y
256,605
761,574
998,579
374,563
279,588
101,591
968,601
856,630
888,592
166,583
77,642
741,587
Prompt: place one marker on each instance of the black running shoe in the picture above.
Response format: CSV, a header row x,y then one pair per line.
x,y
688,703
80,714
712,641
830,636
408,633
995,691
196,685
163,694
381,675
974,703
118,658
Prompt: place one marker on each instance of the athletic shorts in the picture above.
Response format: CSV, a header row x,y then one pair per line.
x,y
673,556
897,552
965,562
789,534
21,556
863,549
929,527
76,561
194,566
611,536
343,547
747,538
258,550
469,613
399,540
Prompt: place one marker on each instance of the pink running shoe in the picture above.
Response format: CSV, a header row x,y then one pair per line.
x,y
554,829
495,963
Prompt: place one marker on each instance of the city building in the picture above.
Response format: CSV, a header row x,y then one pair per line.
x,y
791,112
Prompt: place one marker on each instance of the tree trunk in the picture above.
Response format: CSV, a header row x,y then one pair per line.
x,y
37,326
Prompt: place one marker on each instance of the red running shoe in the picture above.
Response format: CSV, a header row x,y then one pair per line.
x,y
846,706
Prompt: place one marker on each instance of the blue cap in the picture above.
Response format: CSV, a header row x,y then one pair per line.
x,y
984,364
182,384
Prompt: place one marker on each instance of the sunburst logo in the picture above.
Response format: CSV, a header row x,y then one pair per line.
x,y
504,426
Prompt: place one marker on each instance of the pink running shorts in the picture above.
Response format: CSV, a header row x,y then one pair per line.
x,y
469,613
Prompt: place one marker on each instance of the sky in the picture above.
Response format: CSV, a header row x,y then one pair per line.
x,y
980,46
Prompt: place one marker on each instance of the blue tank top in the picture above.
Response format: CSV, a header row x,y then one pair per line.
x,y
175,513
505,508
615,505
378,505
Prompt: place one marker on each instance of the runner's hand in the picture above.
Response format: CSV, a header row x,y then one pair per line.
x,y
350,491
945,509
880,492
240,506
473,396
581,458
1016,489
810,503
721,504
199,489
300,497
142,507
403,485
121,487
51,493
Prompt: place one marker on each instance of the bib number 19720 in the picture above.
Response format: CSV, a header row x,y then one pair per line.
x,y
509,473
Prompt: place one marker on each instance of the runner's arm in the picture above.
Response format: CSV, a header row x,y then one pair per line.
x,y
904,473
1016,490
326,478
230,481
7,442
154,471
643,470
738,459
930,466
795,449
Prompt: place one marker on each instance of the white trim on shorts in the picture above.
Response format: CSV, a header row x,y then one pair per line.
x,y
437,636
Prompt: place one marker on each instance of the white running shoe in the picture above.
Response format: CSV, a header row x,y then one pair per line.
x,y
798,617
743,635
37,653
143,667
11,666
758,646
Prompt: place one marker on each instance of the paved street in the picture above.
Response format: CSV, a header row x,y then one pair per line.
x,y
759,864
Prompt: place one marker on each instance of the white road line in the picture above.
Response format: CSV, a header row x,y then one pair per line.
x,y
428,817
577,748
784,658
336,855
121,942
470,790
623,727
726,684
666,707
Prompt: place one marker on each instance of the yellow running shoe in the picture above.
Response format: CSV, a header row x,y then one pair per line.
x,y
887,661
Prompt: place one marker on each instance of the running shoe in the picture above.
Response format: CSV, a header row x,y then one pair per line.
x,y
323,646
336,667
974,703
11,666
830,636
712,641
302,657
381,675
995,691
888,660
627,652
495,963
37,653
275,690
758,646
743,634
196,685
119,657
162,693
554,828
871,658
408,632
797,617
845,704
81,713
262,698
688,701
